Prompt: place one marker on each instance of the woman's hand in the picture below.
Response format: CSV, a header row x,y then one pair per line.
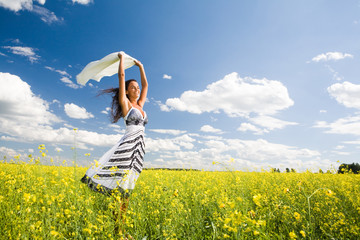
x,y
138,63
120,55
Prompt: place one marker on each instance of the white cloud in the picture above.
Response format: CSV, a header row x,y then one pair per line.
x,y
2,54
339,147
348,125
331,56
83,2
323,111
265,124
25,117
341,153
46,15
169,144
57,149
69,83
270,123
24,51
165,76
235,96
18,103
74,111
248,155
168,131
346,93
17,5
8,152
106,111
61,72
244,127
210,129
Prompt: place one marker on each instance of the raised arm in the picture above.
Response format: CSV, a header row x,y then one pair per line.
x,y
144,84
123,100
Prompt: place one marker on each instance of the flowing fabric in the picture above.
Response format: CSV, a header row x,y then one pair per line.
x,y
107,66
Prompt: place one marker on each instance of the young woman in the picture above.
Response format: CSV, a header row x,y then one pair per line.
x,y
118,169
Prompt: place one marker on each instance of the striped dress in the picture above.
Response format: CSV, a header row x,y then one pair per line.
x,y
119,168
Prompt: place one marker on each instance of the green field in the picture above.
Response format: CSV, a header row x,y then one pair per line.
x,y
49,202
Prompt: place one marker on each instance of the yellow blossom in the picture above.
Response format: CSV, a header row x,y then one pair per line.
x,y
292,235
297,215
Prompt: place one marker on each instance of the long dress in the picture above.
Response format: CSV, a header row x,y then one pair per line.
x,y
119,168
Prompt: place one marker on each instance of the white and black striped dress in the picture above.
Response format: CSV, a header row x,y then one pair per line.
x,y
119,168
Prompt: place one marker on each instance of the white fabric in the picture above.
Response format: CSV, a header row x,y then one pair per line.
x,y
107,66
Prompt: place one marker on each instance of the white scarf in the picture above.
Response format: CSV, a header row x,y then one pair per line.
x,y
107,66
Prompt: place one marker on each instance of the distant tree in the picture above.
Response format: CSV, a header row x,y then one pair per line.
x,y
274,170
352,168
293,170
287,170
321,171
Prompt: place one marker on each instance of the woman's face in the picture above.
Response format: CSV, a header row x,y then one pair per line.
x,y
133,90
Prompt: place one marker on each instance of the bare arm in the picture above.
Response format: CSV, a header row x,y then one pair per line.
x,y
123,101
144,84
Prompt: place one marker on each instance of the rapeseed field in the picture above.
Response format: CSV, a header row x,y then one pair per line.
x,y
50,202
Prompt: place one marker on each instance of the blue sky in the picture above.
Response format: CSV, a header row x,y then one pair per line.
x,y
250,84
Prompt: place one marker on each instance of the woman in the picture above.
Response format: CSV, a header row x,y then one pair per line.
x,y
119,168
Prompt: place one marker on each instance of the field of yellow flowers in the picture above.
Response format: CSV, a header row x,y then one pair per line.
x,y
50,202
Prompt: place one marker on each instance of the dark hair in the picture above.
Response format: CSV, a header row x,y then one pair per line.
x,y
116,111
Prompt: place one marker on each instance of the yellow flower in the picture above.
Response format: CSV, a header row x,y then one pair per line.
x,y
87,230
286,190
256,233
256,199
176,193
54,233
292,235
329,193
297,215
302,233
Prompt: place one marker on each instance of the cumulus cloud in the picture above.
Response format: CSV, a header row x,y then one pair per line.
x,y
210,129
348,125
25,117
346,93
8,152
168,131
165,76
235,96
19,103
335,56
45,15
17,5
74,111
248,155
24,51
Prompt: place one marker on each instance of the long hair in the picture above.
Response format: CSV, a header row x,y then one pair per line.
x,y
115,111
